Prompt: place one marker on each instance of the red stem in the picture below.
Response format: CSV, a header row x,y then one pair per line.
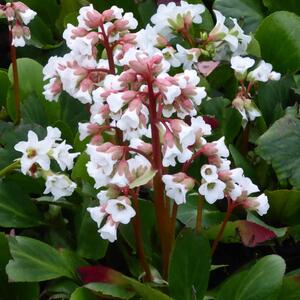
x,y
230,208
189,162
13,56
138,237
108,51
162,214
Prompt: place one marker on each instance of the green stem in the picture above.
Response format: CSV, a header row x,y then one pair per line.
x,y
15,165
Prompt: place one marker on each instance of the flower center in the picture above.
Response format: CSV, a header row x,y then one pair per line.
x,y
121,206
31,152
211,185
208,171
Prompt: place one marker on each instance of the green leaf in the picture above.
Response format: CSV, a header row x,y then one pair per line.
x,y
290,289
254,47
187,213
280,146
89,245
145,178
289,5
284,206
229,119
31,82
262,281
4,85
278,36
16,208
111,290
249,12
189,272
241,162
83,294
19,291
34,260
273,97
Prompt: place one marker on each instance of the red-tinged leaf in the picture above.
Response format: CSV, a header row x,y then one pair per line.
x,y
99,273
253,234
207,67
213,122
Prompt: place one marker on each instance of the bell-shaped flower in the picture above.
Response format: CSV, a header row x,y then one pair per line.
x,y
212,191
120,210
109,230
177,186
59,186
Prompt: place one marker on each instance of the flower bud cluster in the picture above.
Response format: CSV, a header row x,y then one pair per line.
x,y
37,156
262,72
18,15
153,114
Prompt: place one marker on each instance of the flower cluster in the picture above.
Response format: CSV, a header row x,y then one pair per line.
x,y
261,73
151,114
18,15
36,161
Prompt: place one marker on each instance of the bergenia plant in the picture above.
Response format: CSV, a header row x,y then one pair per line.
x,y
151,145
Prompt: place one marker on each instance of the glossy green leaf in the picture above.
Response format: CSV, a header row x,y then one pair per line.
x,y
262,281
89,245
189,273
83,294
31,82
16,208
34,260
278,36
229,119
280,146
249,12
4,85
290,289
111,290
145,178
273,97
289,5
284,206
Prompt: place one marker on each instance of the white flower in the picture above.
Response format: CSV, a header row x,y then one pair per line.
x,y
112,82
187,56
212,191
120,210
220,30
240,65
169,55
27,15
171,92
177,186
261,72
274,76
97,214
115,102
169,156
96,172
34,151
263,204
18,41
64,159
109,231
132,22
209,173
222,150
59,186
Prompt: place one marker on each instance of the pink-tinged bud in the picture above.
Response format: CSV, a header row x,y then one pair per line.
x,y
93,19
79,32
120,25
20,6
86,85
209,149
17,31
224,175
188,19
169,139
213,159
26,32
128,76
162,41
108,15
129,38
56,87
97,139
10,13
129,95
